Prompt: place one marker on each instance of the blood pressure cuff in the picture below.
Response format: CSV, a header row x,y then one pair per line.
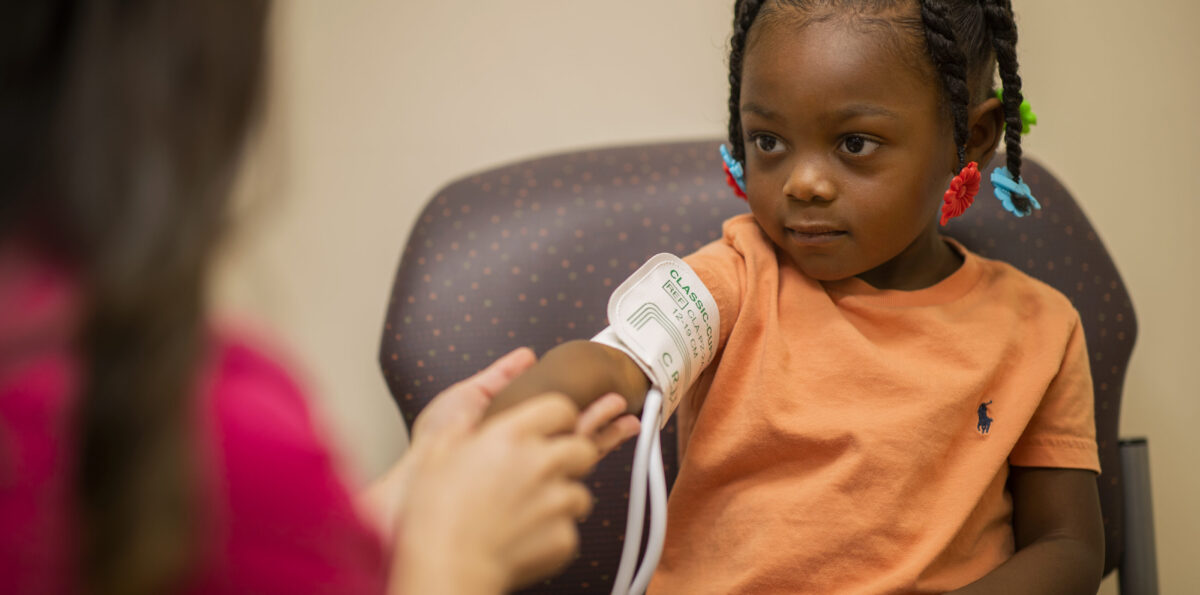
x,y
666,320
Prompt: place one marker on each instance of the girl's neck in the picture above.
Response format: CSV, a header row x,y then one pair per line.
x,y
924,263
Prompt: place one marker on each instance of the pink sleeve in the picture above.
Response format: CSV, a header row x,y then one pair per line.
x,y
1062,432
292,526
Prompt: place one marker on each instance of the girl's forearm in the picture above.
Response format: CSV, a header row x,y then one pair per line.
x,y
583,371
1052,565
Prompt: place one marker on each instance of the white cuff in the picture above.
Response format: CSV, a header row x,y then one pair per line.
x,y
667,321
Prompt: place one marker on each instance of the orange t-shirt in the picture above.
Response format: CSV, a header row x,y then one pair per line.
x,y
855,440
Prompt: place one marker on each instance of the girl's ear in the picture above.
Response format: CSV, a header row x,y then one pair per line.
x,y
985,126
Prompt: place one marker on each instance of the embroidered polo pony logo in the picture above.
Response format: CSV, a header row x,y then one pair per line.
x,y
985,422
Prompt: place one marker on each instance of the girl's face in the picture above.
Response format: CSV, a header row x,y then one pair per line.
x,y
847,150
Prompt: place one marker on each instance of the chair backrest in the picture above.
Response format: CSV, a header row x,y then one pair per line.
x,y
528,253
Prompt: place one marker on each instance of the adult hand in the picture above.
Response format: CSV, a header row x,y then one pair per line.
x,y
456,411
605,422
461,407
492,510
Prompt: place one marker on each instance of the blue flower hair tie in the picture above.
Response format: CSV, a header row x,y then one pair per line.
x,y
1005,186
734,173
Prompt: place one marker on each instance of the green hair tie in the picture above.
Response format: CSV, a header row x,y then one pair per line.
x,y
1028,118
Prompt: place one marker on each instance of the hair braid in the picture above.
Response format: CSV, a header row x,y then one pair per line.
x,y
744,13
951,64
1004,41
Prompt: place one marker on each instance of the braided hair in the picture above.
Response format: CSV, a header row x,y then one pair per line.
x,y
961,38
744,13
1004,41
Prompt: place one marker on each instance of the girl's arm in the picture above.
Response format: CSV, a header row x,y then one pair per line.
x,y
583,371
1059,535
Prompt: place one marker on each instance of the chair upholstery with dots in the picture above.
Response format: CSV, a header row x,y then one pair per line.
x,y
528,253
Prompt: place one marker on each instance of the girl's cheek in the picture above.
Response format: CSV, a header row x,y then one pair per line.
x,y
764,210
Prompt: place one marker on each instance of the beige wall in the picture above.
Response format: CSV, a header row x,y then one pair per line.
x,y
376,104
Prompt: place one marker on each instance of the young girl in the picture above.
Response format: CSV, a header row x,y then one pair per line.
x,y
887,412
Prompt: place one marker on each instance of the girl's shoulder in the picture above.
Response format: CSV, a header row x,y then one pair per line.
x,y
1033,297
742,245
743,234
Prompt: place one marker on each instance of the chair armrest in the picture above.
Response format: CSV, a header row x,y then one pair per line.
x,y
1139,568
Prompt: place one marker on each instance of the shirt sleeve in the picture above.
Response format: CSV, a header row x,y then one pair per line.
x,y
723,271
1062,432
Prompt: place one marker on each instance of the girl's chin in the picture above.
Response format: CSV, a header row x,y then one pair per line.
x,y
824,269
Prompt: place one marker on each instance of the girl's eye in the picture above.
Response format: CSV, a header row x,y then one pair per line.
x,y
767,144
859,145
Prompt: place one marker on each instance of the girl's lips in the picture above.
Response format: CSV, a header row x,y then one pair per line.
x,y
815,234
815,228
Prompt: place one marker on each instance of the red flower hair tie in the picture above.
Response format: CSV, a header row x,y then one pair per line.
x,y
733,182
961,194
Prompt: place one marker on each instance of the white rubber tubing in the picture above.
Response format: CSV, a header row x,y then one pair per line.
x,y
658,518
637,492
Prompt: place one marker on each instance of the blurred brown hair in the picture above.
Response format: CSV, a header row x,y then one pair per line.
x,y
122,126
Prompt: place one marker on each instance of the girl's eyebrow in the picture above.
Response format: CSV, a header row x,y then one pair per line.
x,y
848,112
857,110
754,108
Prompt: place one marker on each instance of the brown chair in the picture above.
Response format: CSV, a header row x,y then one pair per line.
x,y
528,253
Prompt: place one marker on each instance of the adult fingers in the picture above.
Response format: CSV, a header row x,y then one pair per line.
x,y
616,433
496,376
603,421
453,412
544,415
572,455
563,498
543,551
577,501
460,407
600,413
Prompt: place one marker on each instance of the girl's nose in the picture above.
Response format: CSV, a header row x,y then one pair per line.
x,y
809,182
